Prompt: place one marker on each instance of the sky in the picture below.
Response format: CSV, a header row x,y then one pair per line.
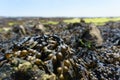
x,y
60,8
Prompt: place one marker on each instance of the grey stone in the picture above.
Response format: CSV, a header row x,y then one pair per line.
x,y
93,35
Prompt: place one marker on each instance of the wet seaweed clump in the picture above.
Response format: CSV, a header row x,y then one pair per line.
x,y
48,54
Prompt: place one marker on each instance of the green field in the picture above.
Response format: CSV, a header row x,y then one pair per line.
x,y
97,21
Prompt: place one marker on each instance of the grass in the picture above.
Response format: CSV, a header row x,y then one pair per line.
x,y
72,20
5,29
11,23
50,22
100,21
97,21
1,29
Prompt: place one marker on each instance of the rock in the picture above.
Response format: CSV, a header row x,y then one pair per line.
x,y
62,24
39,27
18,29
93,35
83,23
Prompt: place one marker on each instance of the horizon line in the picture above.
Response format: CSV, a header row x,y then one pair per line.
x,y
58,16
